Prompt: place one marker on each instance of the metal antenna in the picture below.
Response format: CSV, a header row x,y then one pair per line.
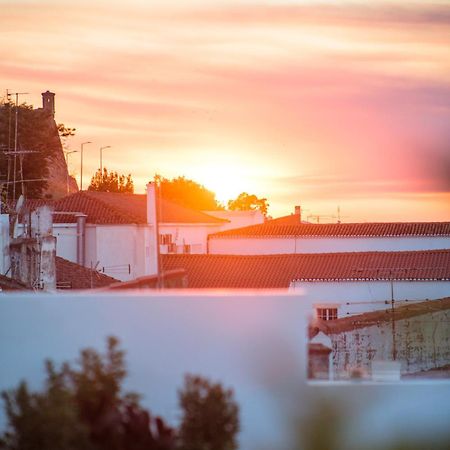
x,y
15,141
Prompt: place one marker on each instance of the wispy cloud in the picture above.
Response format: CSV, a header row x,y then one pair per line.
x,y
356,92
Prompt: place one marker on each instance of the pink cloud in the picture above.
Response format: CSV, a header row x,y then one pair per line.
x,y
309,90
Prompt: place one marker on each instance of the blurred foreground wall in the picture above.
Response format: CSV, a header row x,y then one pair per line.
x,y
255,343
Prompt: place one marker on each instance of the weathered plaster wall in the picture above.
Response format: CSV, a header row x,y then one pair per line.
x,y
422,343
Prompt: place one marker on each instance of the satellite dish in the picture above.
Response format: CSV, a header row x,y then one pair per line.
x,y
19,205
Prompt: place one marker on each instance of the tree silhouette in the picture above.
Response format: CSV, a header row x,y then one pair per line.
x,y
83,408
246,202
47,419
111,182
188,193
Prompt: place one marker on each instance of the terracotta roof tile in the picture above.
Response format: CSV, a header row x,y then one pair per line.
x,y
73,276
114,208
8,284
278,271
289,226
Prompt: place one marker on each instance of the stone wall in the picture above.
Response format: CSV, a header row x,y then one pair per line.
x,y
58,176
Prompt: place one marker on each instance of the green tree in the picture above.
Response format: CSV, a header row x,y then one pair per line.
x,y
210,418
38,136
188,193
84,408
111,182
47,420
246,202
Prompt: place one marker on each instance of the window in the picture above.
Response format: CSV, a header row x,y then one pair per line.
x,y
327,313
165,239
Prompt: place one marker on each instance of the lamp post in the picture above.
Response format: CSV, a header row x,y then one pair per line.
x,y
67,164
81,171
101,162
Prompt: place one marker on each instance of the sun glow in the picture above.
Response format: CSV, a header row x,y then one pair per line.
x,y
227,178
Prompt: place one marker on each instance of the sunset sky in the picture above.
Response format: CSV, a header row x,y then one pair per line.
x,y
318,104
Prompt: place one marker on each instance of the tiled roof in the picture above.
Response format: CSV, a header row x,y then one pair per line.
x,y
73,276
278,271
114,208
8,284
374,318
289,226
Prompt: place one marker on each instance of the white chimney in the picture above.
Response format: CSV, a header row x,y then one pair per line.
x,y
48,263
5,260
152,236
298,212
81,238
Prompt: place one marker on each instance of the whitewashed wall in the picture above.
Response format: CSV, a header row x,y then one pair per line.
x,y
109,246
269,245
365,296
194,234
237,219
117,247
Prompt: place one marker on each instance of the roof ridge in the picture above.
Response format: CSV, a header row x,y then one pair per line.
x,y
124,215
367,229
373,318
322,254
83,195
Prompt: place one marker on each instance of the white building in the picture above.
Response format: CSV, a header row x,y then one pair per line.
x,y
288,235
116,233
336,284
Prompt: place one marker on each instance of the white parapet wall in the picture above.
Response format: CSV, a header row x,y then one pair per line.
x,y
253,342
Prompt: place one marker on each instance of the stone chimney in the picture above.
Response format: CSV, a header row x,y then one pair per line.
x,y
298,212
48,102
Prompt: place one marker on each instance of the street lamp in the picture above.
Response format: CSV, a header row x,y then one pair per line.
x,y
81,172
67,164
101,163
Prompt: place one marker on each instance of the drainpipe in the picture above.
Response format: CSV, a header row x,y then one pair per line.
x,y
81,238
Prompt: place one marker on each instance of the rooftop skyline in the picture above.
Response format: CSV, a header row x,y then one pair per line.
x,y
320,105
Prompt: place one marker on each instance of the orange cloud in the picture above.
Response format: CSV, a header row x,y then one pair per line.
x,y
356,95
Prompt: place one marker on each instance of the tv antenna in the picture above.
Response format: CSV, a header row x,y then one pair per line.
x,y
16,140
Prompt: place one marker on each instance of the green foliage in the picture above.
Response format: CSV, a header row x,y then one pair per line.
x,y
210,416
188,193
97,393
47,420
35,132
246,202
111,182
84,409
